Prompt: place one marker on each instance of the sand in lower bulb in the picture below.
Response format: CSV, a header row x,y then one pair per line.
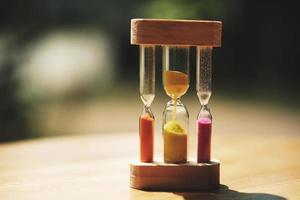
x,y
146,138
204,140
175,143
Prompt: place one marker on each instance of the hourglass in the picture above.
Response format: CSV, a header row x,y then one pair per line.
x,y
147,94
175,115
176,171
203,87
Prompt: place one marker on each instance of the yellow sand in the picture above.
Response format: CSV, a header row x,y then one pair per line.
x,y
175,83
175,143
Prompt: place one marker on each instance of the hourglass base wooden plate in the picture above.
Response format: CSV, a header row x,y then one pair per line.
x,y
191,176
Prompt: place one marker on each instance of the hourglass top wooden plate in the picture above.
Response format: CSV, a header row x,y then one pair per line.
x,y
176,32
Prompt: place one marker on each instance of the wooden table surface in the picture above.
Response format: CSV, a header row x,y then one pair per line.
x,y
96,166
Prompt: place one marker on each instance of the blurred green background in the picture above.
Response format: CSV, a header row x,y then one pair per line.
x,y
67,67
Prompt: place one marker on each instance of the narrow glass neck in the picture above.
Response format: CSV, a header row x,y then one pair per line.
x,y
175,102
205,112
147,110
204,97
147,99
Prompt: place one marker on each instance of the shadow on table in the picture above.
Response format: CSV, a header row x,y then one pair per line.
x,y
223,193
226,193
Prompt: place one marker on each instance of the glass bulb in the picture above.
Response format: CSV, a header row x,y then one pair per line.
x,y
175,116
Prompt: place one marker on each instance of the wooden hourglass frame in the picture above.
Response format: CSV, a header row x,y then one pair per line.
x,y
191,175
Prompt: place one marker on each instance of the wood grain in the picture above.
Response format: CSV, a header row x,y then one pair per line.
x,y
176,32
254,166
191,176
